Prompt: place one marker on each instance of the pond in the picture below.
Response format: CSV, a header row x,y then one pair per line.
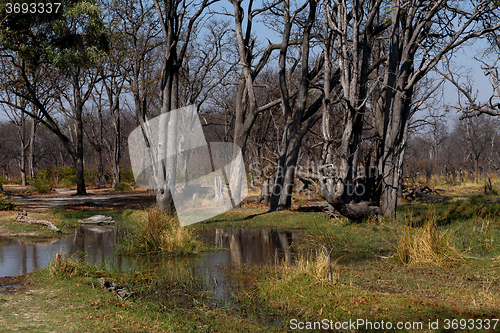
x,y
96,244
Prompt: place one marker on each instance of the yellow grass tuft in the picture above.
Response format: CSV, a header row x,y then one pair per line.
x,y
162,233
425,244
316,265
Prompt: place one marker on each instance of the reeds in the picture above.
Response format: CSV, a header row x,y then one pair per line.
x,y
161,233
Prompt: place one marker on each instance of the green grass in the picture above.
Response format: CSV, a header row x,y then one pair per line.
x,y
257,218
435,261
125,218
57,301
8,225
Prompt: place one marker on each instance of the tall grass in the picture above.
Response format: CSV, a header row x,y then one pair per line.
x,y
161,233
315,265
425,244
71,267
471,209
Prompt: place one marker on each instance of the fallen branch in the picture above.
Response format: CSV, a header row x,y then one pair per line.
x,y
112,287
425,194
23,217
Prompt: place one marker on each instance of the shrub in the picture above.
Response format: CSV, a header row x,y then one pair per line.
x,y
162,233
127,176
67,176
425,244
89,175
44,181
5,203
123,187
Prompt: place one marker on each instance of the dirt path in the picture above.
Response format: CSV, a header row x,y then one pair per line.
x,y
63,197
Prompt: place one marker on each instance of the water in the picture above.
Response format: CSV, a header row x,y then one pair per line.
x,y
96,244
21,256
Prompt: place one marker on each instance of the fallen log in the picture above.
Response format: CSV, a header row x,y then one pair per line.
x,y
425,194
23,217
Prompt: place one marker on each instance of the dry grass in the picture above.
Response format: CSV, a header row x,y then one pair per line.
x,y
162,233
425,244
316,265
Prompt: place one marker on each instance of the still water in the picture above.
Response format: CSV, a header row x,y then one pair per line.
x,y
96,244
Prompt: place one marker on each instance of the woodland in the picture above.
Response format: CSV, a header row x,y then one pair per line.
x,y
345,96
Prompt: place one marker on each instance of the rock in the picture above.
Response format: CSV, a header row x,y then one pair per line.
x,y
97,219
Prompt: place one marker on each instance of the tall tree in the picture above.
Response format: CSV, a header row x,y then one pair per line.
x,y
298,115
67,42
178,19
421,34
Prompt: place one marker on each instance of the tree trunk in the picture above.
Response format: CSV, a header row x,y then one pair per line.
x,y
281,196
166,170
31,155
22,164
116,147
78,161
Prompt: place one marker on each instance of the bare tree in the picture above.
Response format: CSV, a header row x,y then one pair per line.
x,y
177,19
421,33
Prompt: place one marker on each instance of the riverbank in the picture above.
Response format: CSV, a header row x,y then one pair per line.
x,y
434,262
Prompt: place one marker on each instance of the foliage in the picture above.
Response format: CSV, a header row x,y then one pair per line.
x,y
69,267
127,176
314,265
75,36
90,176
5,203
425,244
123,187
67,176
44,181
161,233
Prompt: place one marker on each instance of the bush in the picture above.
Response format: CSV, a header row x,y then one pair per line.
x,y
89,175
67,176
44,181
127,176
5,203
71,267
123,187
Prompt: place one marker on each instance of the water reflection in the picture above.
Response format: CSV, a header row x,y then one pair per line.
x,y
21,256
97,244
247,246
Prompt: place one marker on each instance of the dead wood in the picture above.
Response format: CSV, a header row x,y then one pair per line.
x,y
426,193
23,217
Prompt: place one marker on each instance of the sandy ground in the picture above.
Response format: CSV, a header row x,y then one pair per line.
x,y
42,203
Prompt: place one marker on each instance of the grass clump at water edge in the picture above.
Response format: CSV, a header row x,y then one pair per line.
x,y
425,244
161,233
